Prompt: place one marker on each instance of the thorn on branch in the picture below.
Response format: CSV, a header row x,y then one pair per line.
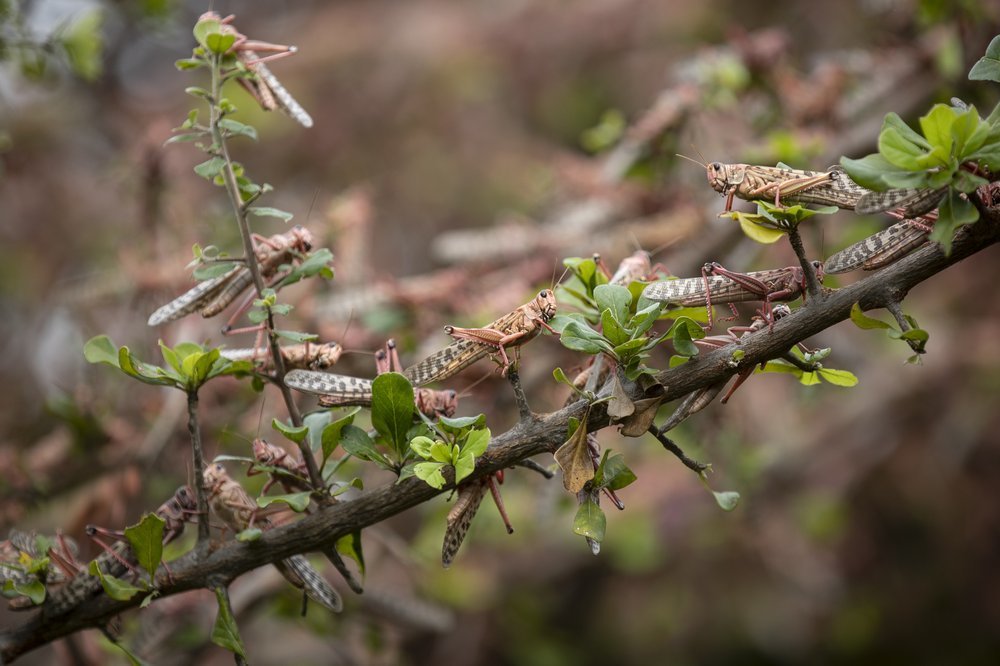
x,y
669,445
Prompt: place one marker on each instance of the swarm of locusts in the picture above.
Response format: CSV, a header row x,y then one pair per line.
x,y
304,366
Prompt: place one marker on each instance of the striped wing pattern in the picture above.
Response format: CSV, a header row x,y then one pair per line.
x,y
340,387
877,250
470,496
446,362
297,571
193,299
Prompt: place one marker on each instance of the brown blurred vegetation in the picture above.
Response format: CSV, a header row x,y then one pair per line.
x,y
866,531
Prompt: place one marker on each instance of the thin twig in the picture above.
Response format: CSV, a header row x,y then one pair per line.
x,y
669,445
812,282
239,209
194,430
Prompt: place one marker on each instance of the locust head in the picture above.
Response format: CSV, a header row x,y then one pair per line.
x,y
328,355
632,268
725,177
302,240
545,304
215,477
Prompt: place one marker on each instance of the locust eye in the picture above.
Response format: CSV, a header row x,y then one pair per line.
x,y
715,166
544,293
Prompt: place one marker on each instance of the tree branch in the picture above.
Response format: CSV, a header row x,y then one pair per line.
x,y
527,438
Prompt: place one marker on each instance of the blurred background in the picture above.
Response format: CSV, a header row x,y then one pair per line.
x,y
460,152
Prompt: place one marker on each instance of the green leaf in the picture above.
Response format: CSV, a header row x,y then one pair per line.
x,y
209,169
683,332
189,63
356,441
430,473
613,473
266,211
456,425
613,331
350,545
892,120
613,297
560,376
115,588
463,466
298,502
868,171
627,349
146,539
987,68
863,321
331,434
953,212
219,43
590,521
296,434
204,27
755,227
727,500
838,377
476,442
250,534
936,126
237,128
441,452
898,150
392,409
34,589
101,349
422,446
225,633
83,44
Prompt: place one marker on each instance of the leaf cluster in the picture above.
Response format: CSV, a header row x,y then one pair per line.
x,y
188,365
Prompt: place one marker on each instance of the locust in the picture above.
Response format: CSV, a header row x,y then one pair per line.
x,y
344,391
832,187
702,398
263,86
231,503
883,247
471,344
118,558
470,496
290,471
210,297
725,286
306,355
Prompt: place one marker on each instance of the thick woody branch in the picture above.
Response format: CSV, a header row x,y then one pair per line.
x,y
527,438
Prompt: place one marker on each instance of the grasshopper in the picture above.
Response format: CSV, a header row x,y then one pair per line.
x,y
882,248
470,496
832,187
702,398
263,86
290,471
471,344
210,297
307,355
118,558
724,286
343,391
238,511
